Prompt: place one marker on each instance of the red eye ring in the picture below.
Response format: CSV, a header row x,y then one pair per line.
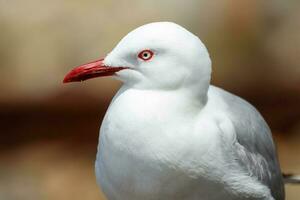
x,y
145,55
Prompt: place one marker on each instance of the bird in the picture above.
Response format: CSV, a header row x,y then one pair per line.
x,y
169,134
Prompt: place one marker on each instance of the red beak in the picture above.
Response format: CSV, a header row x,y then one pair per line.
x,y
91,70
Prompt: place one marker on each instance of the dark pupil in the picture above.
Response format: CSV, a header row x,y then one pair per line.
x,y
145,54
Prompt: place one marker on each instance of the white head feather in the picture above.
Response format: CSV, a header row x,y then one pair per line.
x,y
180,60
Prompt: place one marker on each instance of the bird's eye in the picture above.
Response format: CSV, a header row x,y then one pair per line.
x,y
145,55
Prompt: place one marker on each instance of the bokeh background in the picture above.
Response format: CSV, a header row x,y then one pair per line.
x,y
49,131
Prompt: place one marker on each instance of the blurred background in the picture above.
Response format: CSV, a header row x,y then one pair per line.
x,y
49,131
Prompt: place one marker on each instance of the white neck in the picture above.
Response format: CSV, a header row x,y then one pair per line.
x,y
180,100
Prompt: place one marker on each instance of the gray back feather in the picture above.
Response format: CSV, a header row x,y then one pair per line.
x,y
255,148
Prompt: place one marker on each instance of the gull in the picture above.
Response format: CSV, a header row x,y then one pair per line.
x,y
169,134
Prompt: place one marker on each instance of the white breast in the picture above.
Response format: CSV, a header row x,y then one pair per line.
x,y
149,153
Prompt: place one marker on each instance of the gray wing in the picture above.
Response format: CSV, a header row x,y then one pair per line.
x,y
254,148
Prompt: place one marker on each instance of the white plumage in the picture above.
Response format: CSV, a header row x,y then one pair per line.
x,y
169,134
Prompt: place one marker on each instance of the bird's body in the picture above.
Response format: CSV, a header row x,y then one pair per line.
x,y
192,156
169,135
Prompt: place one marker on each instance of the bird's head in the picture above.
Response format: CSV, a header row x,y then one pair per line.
x,y
160,55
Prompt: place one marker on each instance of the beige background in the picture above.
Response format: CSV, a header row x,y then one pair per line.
x,y
49,130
